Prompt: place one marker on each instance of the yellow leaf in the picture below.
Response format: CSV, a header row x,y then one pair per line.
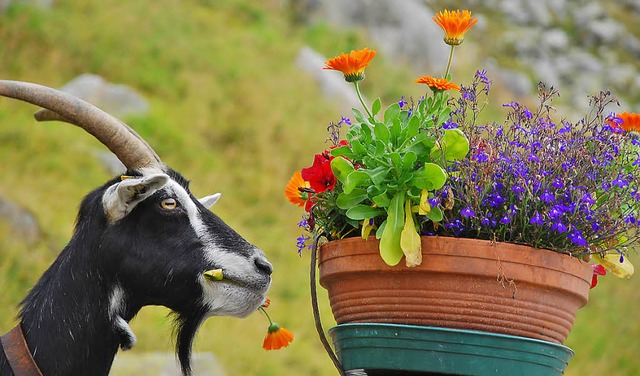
x,y
410,240
367,226
612,264
425,207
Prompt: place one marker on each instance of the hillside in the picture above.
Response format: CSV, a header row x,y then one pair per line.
x,y
230,110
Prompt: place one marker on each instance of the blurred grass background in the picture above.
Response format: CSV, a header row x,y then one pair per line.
x,y
232,112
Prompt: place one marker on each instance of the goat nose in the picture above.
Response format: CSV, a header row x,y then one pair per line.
x,y
264,265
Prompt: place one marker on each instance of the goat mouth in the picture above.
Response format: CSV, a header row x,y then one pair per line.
x,y
218,276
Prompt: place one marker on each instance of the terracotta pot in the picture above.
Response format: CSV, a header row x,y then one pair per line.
x,y
462,284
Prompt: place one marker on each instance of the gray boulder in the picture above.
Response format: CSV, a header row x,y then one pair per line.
x,y
118,100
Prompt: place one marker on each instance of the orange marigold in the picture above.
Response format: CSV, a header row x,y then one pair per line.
x,y
296,190
630,121
277,338
455,24
352,65
437,84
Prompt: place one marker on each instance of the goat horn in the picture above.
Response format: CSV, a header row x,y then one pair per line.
x,y
132,150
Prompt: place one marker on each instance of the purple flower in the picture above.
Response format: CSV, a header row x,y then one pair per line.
x,y
547,197
450,124
557,183
302,243
467,212
402,102
577,238
620,182
536,219
559,227
517,189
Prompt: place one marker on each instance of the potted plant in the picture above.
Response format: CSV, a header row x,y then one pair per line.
x,y
503,226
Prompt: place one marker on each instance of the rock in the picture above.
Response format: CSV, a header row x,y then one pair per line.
x,y
118,100
163,364
46,4
604,32
24,224
555,40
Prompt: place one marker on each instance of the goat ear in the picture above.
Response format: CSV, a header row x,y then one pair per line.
x,y
210,200
120,198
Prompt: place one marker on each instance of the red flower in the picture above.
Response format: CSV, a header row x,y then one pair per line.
x,y
319,175
597,270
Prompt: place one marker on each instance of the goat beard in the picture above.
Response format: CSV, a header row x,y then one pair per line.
x,y
186,326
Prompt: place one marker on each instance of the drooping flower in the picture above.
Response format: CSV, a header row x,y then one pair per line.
x,y
437,84
277,337
297,190
352,65
630,121
597,270
455,24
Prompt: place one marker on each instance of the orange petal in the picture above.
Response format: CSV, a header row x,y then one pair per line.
x,y
277,339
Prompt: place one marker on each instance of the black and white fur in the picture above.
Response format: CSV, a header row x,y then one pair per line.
x,y
139,240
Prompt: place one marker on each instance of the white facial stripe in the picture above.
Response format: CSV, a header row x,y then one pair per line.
x,y
233,264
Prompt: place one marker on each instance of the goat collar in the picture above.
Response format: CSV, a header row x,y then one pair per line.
x,y
18,355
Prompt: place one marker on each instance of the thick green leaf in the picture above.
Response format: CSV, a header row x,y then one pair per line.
x,y
375,107
390,249
429,177
357,147
341,168
354,179
378,174
391,113
435,214
409,160
360,118
346,201
454,145
382,200
342,151
382,132
360,212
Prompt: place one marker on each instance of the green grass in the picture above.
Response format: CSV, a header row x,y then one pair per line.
x,y
232,112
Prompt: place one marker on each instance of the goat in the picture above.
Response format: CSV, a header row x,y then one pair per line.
x,y
140,239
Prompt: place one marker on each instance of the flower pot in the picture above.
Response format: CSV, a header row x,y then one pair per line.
x,y
390,349
461,284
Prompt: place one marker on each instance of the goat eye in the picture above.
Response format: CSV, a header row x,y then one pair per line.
x,y
169,203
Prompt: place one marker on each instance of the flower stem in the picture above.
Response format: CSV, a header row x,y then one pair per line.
x,y
361,100
446,73
266,314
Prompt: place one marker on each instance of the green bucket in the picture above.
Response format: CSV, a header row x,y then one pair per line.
x,y
389,349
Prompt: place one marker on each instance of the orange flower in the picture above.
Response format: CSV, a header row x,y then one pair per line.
x,y
351,65
454,24
630,121
297,189
437,84
277,338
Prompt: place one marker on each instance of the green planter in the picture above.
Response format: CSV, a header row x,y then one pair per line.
x,y
390,349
